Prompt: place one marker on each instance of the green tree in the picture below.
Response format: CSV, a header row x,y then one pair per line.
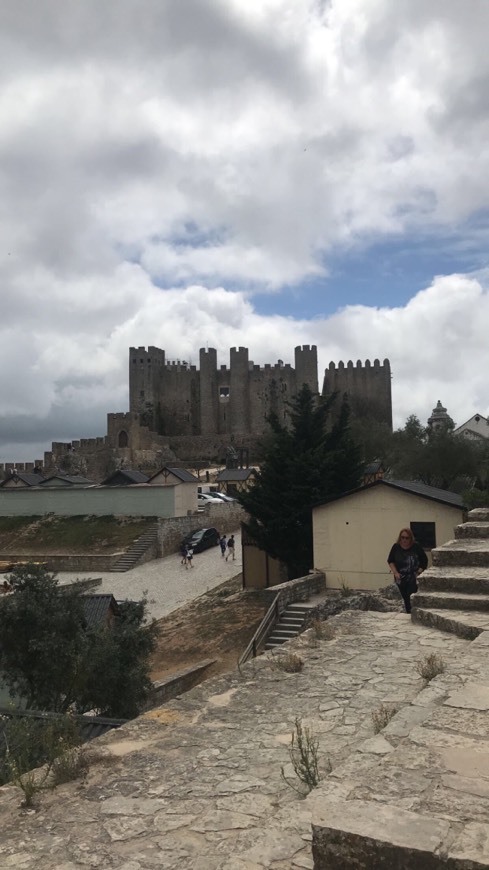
x,y
51,660
118,681
311,460
436,457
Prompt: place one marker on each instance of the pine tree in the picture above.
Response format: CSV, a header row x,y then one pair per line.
x,y
304,464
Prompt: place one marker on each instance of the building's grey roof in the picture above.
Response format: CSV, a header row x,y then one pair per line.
x,y
124,477
97,608
235,474
72,479
27,477
181,473
413,486
90,726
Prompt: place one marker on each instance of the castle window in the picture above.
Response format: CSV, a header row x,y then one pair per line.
x,y
141,394
224,392
123,439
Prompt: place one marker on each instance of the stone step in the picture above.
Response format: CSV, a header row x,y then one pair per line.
x,y
455,579
478,515
462,553
464,623
472,530
290,622
279,633
450,600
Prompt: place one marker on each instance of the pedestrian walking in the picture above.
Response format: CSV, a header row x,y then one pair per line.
x,y
230,551
407,560
190,556
183,554
223,544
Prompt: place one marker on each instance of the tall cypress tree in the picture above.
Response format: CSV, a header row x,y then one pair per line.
x,y
308,462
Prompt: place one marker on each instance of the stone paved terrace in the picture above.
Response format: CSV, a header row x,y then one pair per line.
x,y
196,784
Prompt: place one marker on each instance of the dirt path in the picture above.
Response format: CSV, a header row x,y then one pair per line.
x,y
218,624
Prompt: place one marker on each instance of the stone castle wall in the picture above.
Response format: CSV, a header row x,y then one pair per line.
x,y
367,386
203,411
177,399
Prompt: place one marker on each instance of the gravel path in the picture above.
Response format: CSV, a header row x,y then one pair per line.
x,y
165,582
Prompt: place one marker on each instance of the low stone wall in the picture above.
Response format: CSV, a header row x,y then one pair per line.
x,y
299,589
226,518
182,681
60,562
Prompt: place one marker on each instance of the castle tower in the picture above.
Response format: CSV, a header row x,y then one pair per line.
x,y
306,367
209,397
368,387
145,368
239,399
440,418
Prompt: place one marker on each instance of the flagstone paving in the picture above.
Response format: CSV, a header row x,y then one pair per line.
x,y
196,784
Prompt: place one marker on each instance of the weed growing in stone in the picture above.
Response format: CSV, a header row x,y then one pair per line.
x,y
322,629
382,716
430,666
303,752
345,590
73,764
288,662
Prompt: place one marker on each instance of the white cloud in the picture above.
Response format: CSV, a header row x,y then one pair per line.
x,y
222,145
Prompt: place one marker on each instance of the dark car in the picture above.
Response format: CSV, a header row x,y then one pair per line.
x,y
201,539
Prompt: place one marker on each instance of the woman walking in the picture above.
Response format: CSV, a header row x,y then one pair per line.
x,y
407,560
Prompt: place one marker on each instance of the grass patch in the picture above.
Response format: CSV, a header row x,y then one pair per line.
x,y
82,534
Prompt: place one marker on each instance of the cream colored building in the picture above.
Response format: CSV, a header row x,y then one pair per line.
x,y
352,534
185,485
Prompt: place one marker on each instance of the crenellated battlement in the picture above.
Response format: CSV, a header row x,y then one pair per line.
x,y
367,385
176,398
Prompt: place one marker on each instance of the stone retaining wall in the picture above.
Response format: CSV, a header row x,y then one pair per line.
x,y
182,681
226,518
299,589
60,562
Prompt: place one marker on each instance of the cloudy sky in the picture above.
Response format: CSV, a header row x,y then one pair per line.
x,y
190,173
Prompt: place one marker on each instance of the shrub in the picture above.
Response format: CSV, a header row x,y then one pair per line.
x,y
430,666
382,716
288,662
303,752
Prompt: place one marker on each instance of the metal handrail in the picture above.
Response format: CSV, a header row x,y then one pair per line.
x,y
268,622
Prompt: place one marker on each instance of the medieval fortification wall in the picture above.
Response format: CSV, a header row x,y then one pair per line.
x,y
179,411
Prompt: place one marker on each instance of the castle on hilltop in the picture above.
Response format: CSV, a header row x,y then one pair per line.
x,y
178,412
177,399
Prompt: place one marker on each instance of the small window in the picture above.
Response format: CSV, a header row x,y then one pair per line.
x,y
224,392
141,394
425,534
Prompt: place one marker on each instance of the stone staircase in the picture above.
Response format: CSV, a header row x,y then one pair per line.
x,y
454,593
290,624
137,550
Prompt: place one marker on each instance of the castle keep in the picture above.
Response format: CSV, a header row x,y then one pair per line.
x,y
175,398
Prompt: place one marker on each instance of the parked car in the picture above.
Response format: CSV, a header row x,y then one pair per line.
x,y
201,539
204,498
